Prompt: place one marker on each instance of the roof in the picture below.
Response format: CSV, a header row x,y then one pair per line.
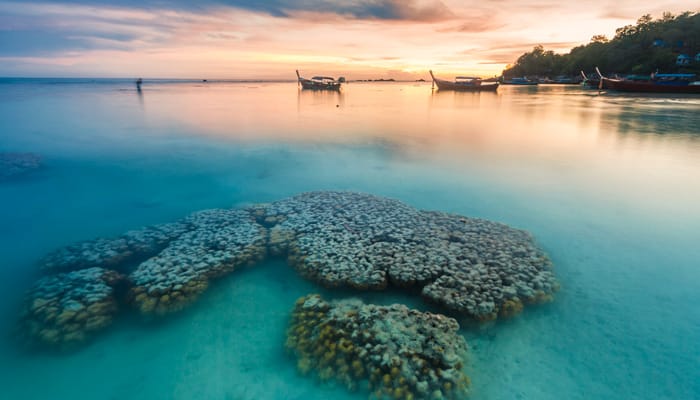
x,y
674,75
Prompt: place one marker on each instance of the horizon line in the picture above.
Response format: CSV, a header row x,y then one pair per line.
x,y
204,80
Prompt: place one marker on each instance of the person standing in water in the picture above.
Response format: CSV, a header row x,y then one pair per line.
x,y
139,81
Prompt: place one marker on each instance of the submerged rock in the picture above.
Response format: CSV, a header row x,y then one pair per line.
x,y
470,266
393,351
67,308
16,164
114,253
220,242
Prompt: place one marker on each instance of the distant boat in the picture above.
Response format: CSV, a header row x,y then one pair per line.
x,y
563,80
319,82
519,81
465,84
559,80
657,83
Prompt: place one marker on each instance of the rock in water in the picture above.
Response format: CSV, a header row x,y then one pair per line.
x,y
393,351
67,308
221,241
114,253
470,266
16,164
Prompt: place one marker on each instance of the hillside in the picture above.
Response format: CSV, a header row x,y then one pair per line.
x,y
647,46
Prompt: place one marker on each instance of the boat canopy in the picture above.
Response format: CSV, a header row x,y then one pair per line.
x,y
684,76
637,77
467,77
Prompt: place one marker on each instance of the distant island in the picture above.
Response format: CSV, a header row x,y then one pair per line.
x,y
375,80
668,44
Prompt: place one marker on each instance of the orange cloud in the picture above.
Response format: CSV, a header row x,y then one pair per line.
x,y
360,42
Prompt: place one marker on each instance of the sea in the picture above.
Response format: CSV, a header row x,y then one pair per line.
x,y
608,184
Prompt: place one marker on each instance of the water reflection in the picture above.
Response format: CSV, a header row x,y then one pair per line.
x,y
548,134
441,98
523,133
654,115
139,93
559,124
319,98
275,111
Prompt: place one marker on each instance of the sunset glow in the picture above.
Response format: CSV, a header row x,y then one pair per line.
x,y
268,40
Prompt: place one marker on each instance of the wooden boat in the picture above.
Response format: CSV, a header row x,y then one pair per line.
x,y
465,84
319,83
564,80
558,80
657,83
519,81
590,82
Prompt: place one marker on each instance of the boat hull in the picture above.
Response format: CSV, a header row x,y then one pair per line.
x,y
469,85
312,85
648,87
519,83
319,83
447,85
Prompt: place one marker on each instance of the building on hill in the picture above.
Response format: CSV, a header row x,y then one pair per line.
x,y
659,43
683,59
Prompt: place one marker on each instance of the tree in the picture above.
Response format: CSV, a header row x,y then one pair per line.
x,y
667,17
631,50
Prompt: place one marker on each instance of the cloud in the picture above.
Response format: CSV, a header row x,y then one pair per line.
x,y
412,10
395,10
48,27
630,11
475,25
246,39
45,29
21,43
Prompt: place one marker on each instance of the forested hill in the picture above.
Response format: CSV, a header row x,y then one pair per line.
x,y
648,46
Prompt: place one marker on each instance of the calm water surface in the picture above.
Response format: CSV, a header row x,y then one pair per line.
x,y
609,185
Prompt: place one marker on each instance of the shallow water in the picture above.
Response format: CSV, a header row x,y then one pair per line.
x,y
607,184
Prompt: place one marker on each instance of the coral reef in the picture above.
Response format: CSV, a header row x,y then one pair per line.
x,y
66,308
469,266
392,351
114,253
221,241
14,164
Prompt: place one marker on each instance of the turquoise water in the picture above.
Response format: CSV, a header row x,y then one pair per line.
x,y
607,184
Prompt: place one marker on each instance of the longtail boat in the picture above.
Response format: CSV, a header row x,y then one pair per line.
x,y
465,84
657,83
519,81
319,83
590,82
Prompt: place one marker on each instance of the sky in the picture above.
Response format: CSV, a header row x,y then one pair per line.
x,y
269,39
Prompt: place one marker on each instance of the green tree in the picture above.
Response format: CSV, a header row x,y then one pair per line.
x,y
633,49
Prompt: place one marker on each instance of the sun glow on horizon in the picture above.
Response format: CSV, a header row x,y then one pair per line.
x,y
225,42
